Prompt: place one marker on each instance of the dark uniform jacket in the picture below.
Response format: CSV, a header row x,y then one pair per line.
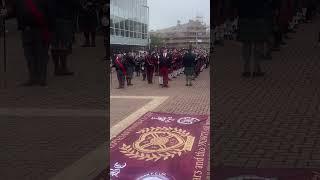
x,y
2,18
253,25
164,61
42,17
88,17
67,9
188,60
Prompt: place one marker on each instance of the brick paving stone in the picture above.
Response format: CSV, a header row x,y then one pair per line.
x,y
121,108
276,116
39,147
182,99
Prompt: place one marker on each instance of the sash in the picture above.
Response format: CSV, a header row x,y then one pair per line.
x,y
40,19
117,61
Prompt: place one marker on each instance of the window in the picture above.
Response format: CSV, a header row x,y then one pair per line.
x,y
136,27
111,31
122,23
117,25
127,34
117,32
127,25
111,22
131,25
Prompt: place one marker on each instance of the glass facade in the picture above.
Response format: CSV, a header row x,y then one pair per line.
x,y
129,21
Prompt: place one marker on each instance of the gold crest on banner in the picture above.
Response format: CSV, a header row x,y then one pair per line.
x,y
157,143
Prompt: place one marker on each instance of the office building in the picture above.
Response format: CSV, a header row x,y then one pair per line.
x,y
129,24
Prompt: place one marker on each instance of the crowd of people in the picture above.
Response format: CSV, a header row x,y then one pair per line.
x,y
165,63
262,26
51,26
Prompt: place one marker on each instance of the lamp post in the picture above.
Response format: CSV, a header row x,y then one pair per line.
x,y
148,26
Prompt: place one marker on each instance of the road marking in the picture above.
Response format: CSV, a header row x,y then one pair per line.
x,y
92,164
38,112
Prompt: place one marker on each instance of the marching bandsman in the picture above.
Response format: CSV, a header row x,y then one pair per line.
x,y
88,21
37,21
129,65
143,67
150,64
188,63
175,64
180,62
164,64
3,14
62,37
138,64
252,33
118,64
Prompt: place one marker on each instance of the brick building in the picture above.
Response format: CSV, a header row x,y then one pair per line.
x,y
195,32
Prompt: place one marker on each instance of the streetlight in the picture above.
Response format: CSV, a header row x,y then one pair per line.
x,y
148,25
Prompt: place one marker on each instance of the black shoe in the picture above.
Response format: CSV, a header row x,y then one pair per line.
x,y
258,74
187,84
246,74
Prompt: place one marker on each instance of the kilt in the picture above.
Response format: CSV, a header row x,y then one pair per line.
x,y
62,37
254,29
189,71
130,71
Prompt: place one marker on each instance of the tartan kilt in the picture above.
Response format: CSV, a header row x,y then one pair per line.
x,y
189,71
130,71
62,37
254,29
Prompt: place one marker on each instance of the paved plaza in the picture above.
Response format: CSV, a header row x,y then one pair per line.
x,y
44,131
144,97
271,121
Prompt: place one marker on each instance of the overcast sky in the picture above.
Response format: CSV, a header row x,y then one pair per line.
x,y
166,13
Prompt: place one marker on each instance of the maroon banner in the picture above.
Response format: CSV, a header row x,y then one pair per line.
x,y
233,173
162,146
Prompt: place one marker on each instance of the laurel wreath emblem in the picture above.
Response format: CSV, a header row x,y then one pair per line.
x,y
132,153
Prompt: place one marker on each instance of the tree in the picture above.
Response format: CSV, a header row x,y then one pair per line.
x,y
156,41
